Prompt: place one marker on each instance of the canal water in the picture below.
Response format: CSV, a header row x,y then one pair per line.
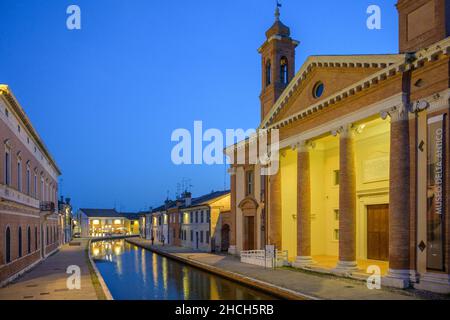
x,y
133,273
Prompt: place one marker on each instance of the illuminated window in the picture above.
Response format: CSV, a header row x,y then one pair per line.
x,y
117,221
95,222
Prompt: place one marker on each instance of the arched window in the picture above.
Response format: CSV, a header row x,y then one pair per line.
x,y
29,240
20,242
35,238
28,178
19,175
7,168
8,245
268,73
284,76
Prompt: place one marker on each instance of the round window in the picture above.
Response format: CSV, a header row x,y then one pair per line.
x,y
318,90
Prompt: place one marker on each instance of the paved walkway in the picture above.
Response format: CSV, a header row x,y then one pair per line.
x,y
306,283
47,281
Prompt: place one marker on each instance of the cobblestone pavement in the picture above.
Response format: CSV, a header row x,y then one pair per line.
x,y
47,281
306,283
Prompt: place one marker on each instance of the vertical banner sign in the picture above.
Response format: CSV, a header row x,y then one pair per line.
x,y
436,192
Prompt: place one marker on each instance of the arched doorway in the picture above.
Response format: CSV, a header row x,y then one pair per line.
x,y
8,245
249,208
225,238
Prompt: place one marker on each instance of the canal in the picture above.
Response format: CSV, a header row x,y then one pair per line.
x,y
133,273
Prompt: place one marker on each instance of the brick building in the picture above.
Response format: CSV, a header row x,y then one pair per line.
x,y
29,221
363,157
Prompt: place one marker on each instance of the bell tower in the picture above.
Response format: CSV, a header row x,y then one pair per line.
x,y
278,62
422,23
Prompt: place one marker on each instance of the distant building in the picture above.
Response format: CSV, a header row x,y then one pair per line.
x,y
29,228
201,223
202,226
160,223
107,222
66,219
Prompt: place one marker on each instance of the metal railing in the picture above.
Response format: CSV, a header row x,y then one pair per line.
x,y
265,258
47,206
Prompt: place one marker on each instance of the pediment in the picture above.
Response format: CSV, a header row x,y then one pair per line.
x,y
248,203
335,72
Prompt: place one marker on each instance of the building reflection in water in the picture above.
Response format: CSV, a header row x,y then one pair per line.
x,y
137,274
164,276
185,283
144,266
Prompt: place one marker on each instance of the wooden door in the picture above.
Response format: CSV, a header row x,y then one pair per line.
x,y
249,233
225,238
378,232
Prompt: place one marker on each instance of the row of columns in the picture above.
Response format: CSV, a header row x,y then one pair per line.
x,y
399,213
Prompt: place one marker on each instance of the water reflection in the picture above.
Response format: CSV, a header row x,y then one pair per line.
x,y
132,273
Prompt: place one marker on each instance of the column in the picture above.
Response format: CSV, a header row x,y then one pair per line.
x,y
303,207
347,201
232,248
399,202
274,214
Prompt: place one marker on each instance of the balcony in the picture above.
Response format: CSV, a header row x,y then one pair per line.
x,y
47,206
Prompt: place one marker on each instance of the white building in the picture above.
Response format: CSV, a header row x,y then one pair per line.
x,y
203,222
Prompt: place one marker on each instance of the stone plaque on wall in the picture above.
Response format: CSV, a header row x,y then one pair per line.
x,y
375,170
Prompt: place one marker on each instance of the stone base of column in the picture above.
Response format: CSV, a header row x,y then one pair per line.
x,y
232,250
301,262
434,282
346,267
397,279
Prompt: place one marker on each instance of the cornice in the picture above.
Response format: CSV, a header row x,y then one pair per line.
x,y
12,101
408,62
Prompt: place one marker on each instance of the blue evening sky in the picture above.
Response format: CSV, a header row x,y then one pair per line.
x,y
105,99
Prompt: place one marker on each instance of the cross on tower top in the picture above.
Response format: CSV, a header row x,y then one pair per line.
x,y
277,11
